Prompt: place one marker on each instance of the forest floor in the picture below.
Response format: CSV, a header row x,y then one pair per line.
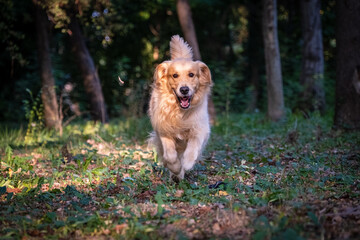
x,y
298,179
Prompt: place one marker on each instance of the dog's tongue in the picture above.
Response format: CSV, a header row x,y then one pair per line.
x,y
184,102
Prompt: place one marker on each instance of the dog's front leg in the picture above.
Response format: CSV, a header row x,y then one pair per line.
x,y
170,157
193,150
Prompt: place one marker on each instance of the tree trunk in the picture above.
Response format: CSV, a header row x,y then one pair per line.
x,y
347,102
254,52
188,29
89,73
48,94
312,72
187,26
272,61
255,80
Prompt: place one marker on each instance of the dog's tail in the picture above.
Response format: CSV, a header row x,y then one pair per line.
x,y
179,48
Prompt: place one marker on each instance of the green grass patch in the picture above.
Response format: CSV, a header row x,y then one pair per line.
x,y
296,179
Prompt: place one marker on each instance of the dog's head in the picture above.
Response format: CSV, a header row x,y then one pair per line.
x,y
188,80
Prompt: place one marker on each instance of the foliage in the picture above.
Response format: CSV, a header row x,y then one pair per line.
x,y
9,37
34,115
129,38
297,179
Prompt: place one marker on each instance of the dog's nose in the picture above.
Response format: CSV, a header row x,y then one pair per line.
x,y
184,90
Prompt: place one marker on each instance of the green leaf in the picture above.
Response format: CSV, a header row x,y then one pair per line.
x,y
50,217
40,183
194,201
289,234
159,202
313,217
9,196
2,190
8,153
87,163
59,224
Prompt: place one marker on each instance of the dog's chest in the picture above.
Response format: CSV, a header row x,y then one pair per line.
x,y
183,135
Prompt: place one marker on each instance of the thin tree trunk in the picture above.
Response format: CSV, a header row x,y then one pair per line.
x,y
188,29
272,61
48,94
89,73
347,102
254,52
187,26
312,72
252,106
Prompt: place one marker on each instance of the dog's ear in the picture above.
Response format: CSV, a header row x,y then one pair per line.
x,y
204,74
160,72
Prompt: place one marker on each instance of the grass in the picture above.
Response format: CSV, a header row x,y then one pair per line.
x,y
297,179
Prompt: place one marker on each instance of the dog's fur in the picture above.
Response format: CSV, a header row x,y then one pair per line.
x,y
178,108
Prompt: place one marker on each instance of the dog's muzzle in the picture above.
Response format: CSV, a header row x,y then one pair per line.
x,y
184,100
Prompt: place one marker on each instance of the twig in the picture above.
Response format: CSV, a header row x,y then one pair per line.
x,y
103,141
73,117
348,212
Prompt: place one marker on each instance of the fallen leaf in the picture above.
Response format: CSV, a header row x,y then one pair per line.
x,y
120,228
216,229
179,193
106,231
13,190
337,219
222,193
146,195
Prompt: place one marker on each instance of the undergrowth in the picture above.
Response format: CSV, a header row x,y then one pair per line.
x,y
297,179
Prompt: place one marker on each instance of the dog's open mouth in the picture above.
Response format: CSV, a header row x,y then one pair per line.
x,y
184,102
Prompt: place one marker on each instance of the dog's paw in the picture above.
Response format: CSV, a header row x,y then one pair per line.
x,y
175,168
177,177
187,165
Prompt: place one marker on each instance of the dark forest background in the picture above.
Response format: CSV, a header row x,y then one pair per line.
x,y
127,39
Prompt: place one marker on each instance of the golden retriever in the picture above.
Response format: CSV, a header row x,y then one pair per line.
x,y
178,109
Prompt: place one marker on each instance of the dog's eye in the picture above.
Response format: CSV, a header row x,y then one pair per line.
x,y
175,75
191,74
